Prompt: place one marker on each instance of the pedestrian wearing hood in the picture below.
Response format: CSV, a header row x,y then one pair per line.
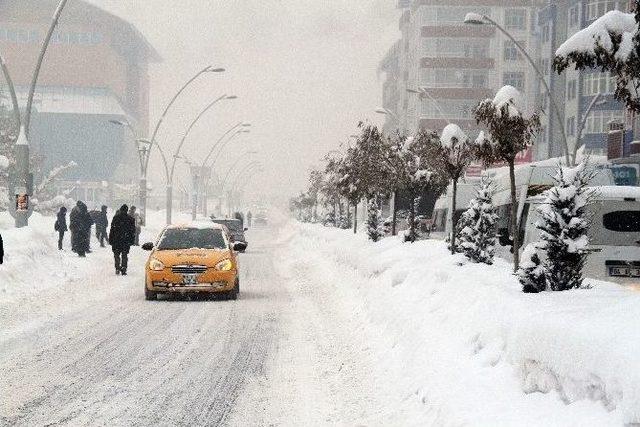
x,y
121,238
138,221
80,225
1,250
102,222
61,226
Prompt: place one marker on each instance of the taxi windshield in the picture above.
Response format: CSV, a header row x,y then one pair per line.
x,y
186,238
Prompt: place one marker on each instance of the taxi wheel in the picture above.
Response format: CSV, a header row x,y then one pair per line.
x,y
233,293
150,295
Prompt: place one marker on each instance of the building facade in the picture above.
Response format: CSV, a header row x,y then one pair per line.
x,y
584,98
95,70
456,65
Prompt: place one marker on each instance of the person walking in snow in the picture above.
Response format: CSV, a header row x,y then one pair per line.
x,y
138,222
1,250
61,226
121,237
80,225
102,222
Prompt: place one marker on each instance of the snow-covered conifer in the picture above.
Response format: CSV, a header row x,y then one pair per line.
x,y
531,272
563,230
478,226
374,226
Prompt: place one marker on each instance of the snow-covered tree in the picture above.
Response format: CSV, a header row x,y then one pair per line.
x,y
374,222
611,43
509,133
456,153
531,272
563,230
415,169
478,234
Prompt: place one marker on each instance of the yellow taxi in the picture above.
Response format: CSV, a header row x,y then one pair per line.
x,y
193,259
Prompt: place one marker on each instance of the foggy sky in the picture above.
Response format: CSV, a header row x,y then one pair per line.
x,y
304,72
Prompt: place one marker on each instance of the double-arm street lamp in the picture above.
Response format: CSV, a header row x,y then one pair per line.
x,y
234,174
478,19
21,183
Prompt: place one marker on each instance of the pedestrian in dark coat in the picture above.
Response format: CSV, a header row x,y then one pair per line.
x,y
1,250
61,226
80,225
102,222
121,237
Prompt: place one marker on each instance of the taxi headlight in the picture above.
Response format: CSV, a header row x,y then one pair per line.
x,y
224,265
156,265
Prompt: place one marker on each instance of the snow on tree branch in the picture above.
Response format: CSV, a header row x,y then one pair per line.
x,y
53,175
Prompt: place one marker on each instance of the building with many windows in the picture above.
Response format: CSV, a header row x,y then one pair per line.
x,y
96,70
585,99
457,65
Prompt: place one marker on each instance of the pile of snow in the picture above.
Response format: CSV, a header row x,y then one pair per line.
x,y
510,96
452,135
462,343
599,34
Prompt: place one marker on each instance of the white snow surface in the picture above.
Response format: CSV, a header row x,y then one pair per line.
x,y
424,337
599,33
461,340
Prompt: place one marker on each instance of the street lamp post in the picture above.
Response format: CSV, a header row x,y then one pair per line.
x,y
231,172
595,101
478,19
22,182
169,201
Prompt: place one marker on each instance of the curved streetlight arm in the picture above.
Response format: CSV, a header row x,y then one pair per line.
x,y
473,18
208,178
231,129
422,92
595,101
173,100
233,167
36,73
188,131
12,91
249,176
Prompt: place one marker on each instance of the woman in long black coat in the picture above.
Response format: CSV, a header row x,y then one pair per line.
x,y
61,225
80,225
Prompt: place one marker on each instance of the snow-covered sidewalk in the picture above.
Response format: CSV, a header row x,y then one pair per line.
x,y
461,344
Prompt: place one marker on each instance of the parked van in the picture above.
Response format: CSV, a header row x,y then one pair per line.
x,y
441,220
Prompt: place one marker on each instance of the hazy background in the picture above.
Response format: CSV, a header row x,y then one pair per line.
x,y
304,72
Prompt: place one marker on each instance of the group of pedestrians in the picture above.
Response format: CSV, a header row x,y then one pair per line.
x,y
125,231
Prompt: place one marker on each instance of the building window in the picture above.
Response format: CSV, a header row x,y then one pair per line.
x,y
571,126
598,120
571,89
545,33
456,47
511,52
453,78
515,19
545,65
596,8
574,16
598,83
515,79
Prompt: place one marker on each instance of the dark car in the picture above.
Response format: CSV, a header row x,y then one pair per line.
x,y
236,229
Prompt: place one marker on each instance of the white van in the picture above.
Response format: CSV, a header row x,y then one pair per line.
x,y
614,233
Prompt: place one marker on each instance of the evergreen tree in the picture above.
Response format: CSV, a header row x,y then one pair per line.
x,y
531,273
374,226
478,233
563,234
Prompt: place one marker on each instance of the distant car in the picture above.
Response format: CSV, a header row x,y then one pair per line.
x,y
193,259
236,230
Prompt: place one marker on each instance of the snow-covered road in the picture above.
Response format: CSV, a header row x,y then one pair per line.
x,y
89,350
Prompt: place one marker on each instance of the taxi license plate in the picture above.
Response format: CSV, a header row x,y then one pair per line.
x,y
190,279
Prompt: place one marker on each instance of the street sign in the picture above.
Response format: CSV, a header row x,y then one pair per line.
x,y
625,174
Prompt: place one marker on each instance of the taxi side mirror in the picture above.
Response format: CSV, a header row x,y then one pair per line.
x,y
147,246
239,246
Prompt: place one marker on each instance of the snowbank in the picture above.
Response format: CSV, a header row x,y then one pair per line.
x,y
467,345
